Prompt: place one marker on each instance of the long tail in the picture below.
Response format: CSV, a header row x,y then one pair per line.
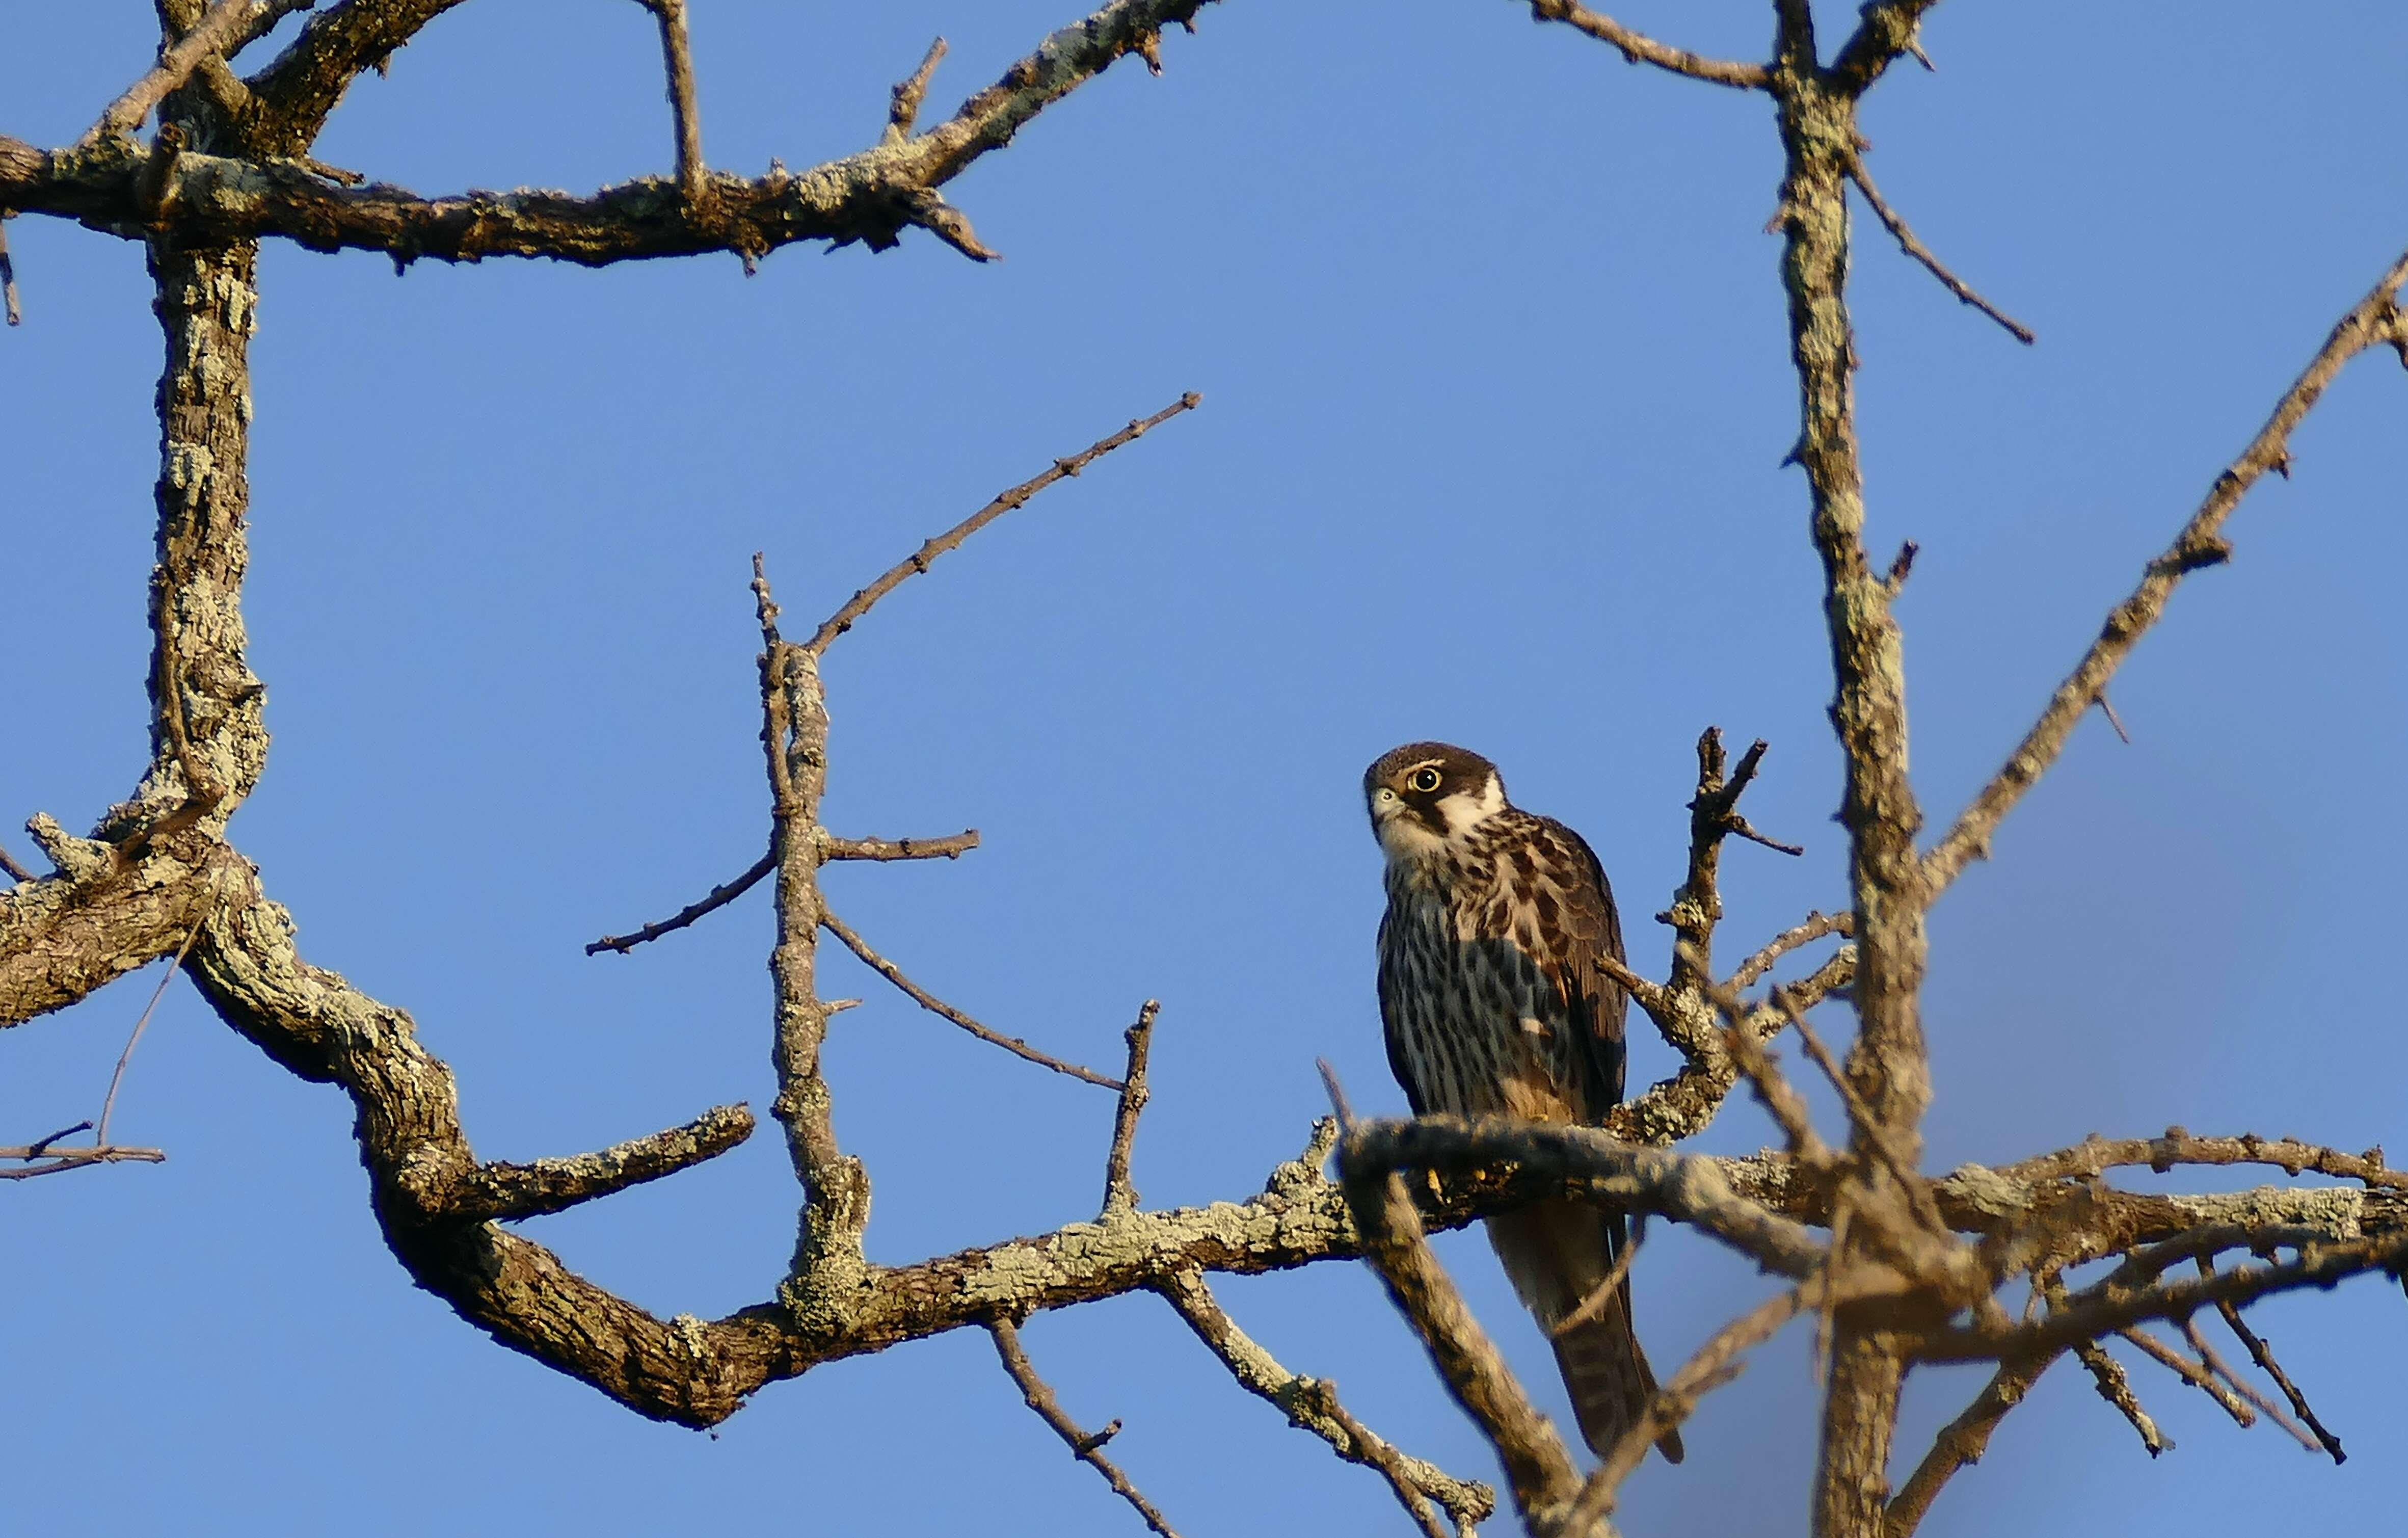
x,y
1557,1254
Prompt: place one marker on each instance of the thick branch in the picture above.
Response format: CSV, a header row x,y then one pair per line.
x,y
507,1191
1886,30
1537,1465
224,27
2200,543
871,196
1687,1188
828,1264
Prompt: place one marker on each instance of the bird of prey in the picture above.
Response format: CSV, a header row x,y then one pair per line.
x,y
1494,1006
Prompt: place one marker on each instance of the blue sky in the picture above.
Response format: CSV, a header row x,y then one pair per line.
x,y
1495,393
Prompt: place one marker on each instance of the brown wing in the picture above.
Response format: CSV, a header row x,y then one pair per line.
x,y
1586,927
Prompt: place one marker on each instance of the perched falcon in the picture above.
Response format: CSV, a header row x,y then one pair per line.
x,y
1494,1007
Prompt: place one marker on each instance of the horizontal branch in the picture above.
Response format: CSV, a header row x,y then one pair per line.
x,y
2096,1156
951,846
1685,1187
509,1191
209,199
47,1160
2089,1318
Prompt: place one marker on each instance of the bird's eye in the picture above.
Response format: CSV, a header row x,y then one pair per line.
x,y
1425,778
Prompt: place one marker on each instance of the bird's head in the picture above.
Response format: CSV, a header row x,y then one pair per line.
x,y
1426,796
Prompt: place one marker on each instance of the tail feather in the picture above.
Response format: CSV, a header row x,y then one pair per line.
x,y
1557,1254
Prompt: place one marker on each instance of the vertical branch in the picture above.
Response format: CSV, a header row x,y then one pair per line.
x,y
1118,1195
685,106
835,1188
1887,1065
208,741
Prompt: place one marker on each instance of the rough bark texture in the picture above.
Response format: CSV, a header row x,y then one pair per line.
x,y
1898,1268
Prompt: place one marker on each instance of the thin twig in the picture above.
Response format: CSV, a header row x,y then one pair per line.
x,y
1592,1306
1816,926
108,1102
2213,1361
2108,708
860,603
1086,1446
2263,1355
2200,543
1638,49
1312,1405
1118,1195
7,862
1715,1364
950,847
718,897
2191,1372
76,1158
934,1005
1923,253
904,114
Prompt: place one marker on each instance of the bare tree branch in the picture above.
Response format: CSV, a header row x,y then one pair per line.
x,y
935,1005
2200,543
1537,1465
860,603
1086,1446
1311,1404
211,199
1962,1442
1931,263
904,114
507,1191
718,897
1887,29
1716,1363
2263,1355
685,105
1637,48
227,25
1118,1195
951,846
108,1101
